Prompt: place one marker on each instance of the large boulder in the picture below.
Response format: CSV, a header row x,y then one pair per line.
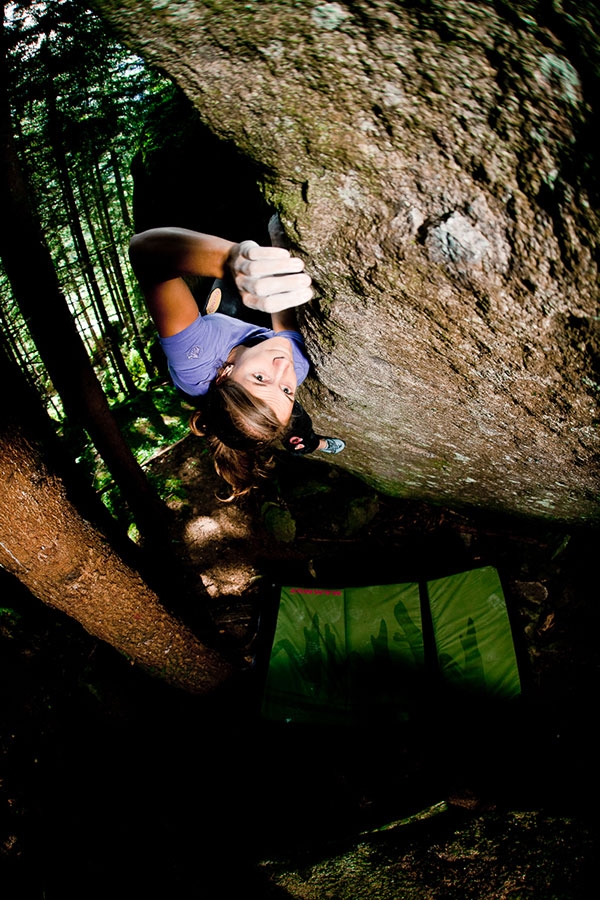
x,y
434,163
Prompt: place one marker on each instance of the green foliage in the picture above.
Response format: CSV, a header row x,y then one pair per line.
x,y
9,619
136,366
80,102
151,421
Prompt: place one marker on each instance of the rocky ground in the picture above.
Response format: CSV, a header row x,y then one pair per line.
x,y
114,785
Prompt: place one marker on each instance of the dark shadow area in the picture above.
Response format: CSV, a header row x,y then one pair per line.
x,y
114,782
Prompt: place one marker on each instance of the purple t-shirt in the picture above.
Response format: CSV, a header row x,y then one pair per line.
x,y
196,353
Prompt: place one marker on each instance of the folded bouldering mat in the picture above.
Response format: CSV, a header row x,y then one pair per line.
x,y
355,654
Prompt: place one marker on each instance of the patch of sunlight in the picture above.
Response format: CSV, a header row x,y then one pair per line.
x,y
202,528
133,533
224,524
172,488
228,578
144,426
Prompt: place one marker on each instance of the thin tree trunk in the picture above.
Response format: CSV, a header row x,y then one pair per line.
x,y
17,350
122,291
13,347
116,169
78,236
91,334
113,351
99,243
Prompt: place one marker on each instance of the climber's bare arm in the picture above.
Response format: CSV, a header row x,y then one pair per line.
x,y
285,320
268,278
160,257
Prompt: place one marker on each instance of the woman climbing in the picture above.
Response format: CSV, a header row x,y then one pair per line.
x,y
242,376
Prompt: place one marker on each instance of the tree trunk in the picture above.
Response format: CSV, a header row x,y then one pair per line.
x,y
55,139
121,290
67,563
435,163
63,561
116,170
12,346
35,286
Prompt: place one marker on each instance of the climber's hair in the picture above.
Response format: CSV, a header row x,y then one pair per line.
x,y
242,432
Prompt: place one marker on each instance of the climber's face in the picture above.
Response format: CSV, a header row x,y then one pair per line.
x,y
266,371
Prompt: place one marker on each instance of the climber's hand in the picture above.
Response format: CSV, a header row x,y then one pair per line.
x,y
268,278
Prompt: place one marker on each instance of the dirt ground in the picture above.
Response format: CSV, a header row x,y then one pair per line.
x,y
115,785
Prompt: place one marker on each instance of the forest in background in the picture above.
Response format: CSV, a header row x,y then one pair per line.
x,y
80,106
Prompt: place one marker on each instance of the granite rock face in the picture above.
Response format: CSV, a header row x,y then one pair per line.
x,y
435,165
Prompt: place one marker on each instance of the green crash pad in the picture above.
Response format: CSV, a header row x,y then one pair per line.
x,y
354,654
